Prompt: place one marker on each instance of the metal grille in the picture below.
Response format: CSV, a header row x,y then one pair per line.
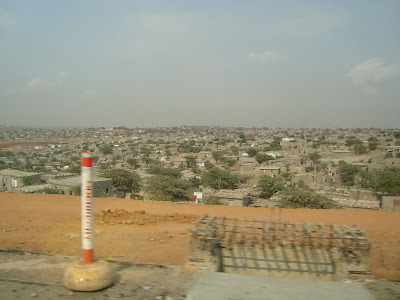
x,y
238,244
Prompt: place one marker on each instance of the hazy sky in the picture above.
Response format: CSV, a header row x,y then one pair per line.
x,y
229,63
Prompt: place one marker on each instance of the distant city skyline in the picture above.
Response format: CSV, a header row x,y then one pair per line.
x,y
288,64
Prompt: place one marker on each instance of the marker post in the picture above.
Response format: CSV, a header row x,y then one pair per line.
x,y
87,207
88,274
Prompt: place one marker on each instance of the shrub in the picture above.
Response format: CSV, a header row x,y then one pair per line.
x,y
305,199
212,200
27,180
269,186
49,191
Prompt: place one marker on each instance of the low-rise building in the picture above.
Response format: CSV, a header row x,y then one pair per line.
x,y
270,170
233,197
65,184
13,179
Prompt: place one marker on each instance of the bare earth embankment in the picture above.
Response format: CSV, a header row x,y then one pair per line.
x,y
147,232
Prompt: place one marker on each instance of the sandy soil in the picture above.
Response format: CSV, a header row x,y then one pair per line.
x,y
147,232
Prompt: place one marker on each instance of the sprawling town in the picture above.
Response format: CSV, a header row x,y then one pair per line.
x,y
258,167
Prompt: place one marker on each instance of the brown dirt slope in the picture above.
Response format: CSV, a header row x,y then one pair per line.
x,y
149,232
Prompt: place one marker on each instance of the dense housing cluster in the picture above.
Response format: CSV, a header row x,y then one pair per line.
x,y
318,168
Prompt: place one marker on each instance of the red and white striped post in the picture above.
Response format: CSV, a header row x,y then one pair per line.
x,y
87,207
88,275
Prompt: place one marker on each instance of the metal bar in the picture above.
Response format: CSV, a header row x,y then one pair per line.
x,y
286,259
199,221
338,235
254,234
233,257
232,235
315,257
265,257
253,250
298,260
307,260
275,257
267,228
274,269
273,260
223,228
243,233
243,259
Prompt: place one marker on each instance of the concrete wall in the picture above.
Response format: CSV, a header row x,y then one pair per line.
x,y
391,203
235,202
270,171
246,167
362,194
392,162
306,178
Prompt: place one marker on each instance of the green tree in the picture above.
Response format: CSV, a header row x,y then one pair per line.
x,y
263,157
151,162
309,169
360,149
168,188
353,141
124,181
217,155
269,186
145,151
388,155
191,161
221,179
97,191
74,169
275,144
315,156
195,182
235,150
372,145
252,151
367,179
157,170
302,185
132,162
6,154
387,181
347,173
28,164
107,149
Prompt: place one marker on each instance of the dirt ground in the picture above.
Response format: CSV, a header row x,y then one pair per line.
x,y
25,275
148,232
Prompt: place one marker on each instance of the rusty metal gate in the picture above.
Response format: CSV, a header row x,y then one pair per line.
x,y
265,247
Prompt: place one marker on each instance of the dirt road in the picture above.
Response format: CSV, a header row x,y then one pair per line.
x,y
148,232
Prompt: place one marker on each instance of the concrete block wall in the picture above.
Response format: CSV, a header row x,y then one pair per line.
x,y
391,203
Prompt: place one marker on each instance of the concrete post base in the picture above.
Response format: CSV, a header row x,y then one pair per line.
x,y
88,277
